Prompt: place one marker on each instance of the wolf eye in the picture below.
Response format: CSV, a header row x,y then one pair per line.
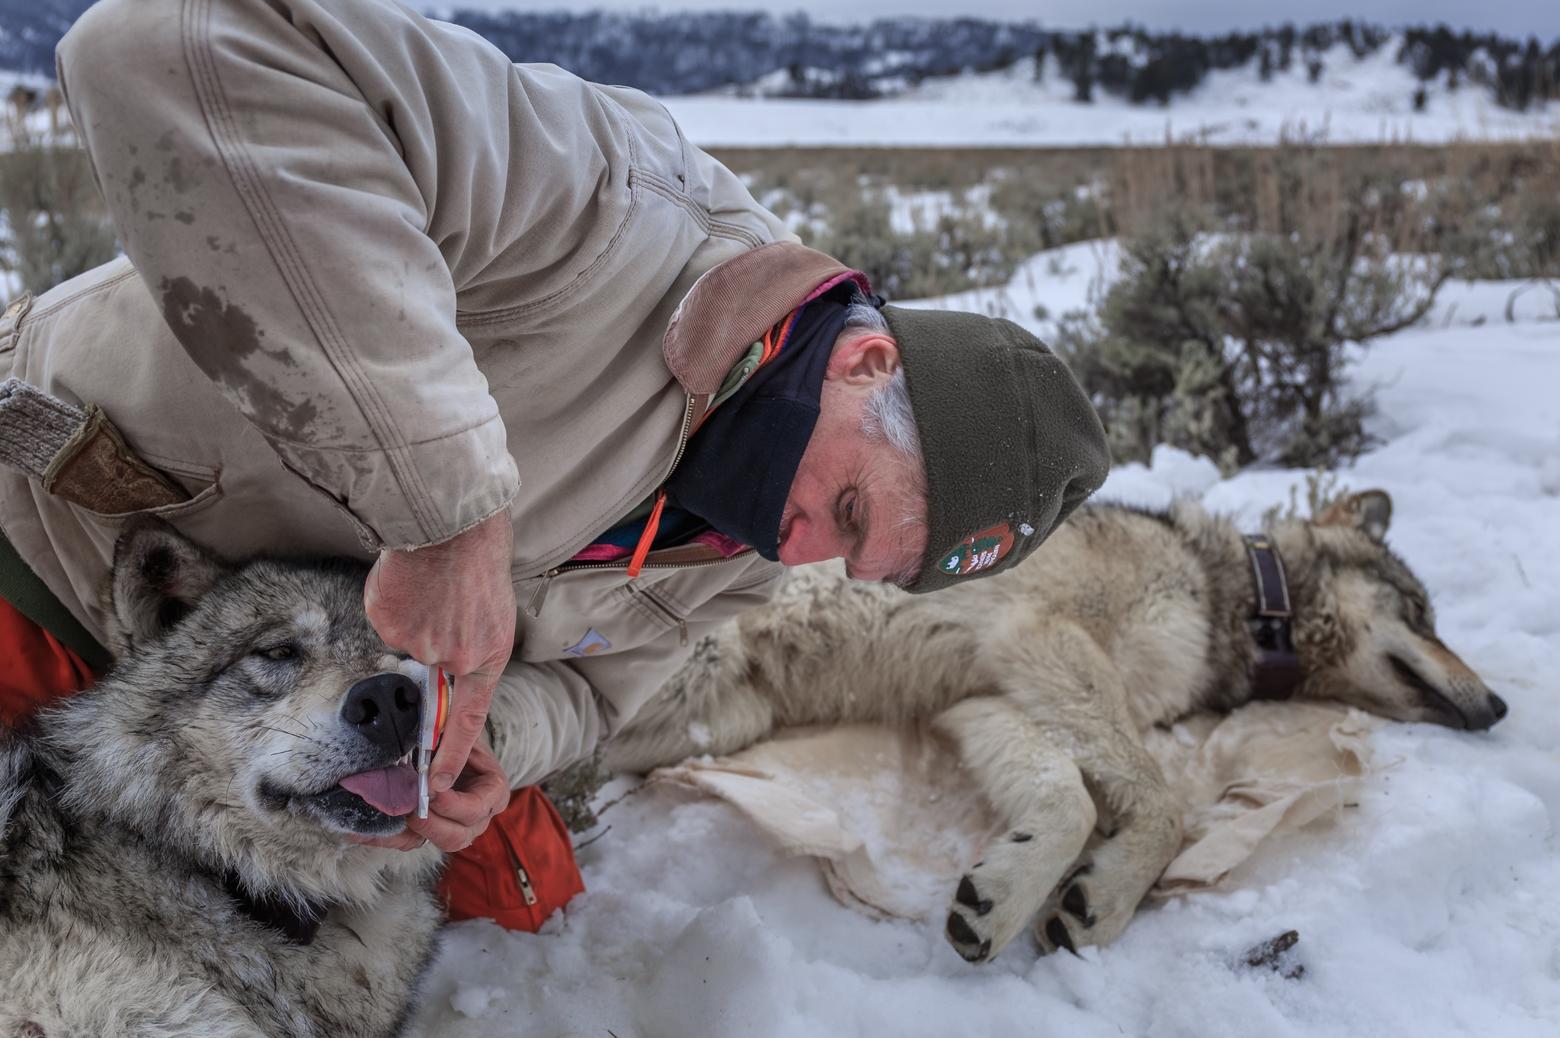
x,y
279,652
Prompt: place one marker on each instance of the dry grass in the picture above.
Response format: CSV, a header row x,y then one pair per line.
x,y
1491,207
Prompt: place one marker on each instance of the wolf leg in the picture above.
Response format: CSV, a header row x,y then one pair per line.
x,y
1039,794
1067,687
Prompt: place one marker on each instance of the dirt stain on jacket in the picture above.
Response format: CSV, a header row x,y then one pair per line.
x,y
222,339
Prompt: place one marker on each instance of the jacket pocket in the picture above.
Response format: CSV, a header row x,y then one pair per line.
x,y
660,609
367,536
205,494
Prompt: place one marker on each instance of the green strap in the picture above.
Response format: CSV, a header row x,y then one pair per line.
x,y
20,586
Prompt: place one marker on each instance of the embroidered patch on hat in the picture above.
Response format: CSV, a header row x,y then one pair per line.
x,y
593,644
978,552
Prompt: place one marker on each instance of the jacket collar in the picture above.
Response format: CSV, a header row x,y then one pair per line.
x,y
731,306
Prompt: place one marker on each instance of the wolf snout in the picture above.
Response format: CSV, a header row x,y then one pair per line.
x,y
1496,707
384,710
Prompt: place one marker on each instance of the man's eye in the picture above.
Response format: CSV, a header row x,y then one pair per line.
x,y
850,511
279,652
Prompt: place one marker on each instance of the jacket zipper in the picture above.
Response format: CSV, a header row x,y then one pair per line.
x,y
533,607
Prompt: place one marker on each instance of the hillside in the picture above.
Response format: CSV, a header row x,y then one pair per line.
x,y
1351,99
790,56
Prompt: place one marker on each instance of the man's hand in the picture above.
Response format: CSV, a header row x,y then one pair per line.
x,y
452,605
458,815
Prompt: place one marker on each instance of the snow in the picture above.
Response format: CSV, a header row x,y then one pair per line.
x,y
911,211
1431,909
1357,100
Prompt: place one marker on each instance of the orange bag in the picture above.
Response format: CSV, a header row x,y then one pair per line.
x,y
519,871
35,667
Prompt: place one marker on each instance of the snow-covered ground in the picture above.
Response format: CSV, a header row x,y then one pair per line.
x,y
1356,100
1431,909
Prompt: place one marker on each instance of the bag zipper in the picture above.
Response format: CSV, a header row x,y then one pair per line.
x,y
527,891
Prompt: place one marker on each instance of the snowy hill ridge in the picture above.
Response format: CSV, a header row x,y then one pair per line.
x,y
750,79
1334,96
789,55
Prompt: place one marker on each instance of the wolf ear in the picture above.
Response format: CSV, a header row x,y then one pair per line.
x,y
158,576
1369,510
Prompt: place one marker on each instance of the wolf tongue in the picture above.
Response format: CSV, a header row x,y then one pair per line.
x,y
392,790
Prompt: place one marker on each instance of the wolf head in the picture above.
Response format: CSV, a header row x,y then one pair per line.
x,y
254,720
1364,626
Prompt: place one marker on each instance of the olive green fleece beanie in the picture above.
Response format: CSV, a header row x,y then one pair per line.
x,y
1011,442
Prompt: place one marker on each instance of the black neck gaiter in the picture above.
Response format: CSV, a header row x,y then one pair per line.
x,y
738,468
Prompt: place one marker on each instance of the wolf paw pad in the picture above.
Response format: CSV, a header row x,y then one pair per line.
x,y
1084,909
997,897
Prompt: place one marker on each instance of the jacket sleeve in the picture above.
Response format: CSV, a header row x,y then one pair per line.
x,y
295,180
547,715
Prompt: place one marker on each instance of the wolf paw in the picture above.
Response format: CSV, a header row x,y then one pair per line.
x,y
997,897
1085,908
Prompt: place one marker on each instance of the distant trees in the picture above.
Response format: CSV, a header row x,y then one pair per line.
x,y
1520,74
52,222
687,52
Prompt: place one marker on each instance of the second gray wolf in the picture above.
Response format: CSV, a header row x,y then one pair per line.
x,y
1043,677
174,852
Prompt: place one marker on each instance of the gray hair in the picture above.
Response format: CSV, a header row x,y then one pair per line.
x,y
862,314
888,418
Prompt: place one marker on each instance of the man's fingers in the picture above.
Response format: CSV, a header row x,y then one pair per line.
x,y
468,715
472,806
458,816
407,841
444,834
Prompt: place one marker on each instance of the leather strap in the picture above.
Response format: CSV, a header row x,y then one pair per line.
x,y
1275,672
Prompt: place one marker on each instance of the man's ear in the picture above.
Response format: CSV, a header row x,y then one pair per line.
x,y
1369,510
158,576
861,357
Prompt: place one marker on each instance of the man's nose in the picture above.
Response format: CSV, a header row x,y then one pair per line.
x,y
808,542
384,710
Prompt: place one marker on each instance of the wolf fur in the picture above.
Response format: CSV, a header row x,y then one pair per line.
x,y
138,818
1043,678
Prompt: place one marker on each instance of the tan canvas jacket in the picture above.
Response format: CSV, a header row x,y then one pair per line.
x,y
381,284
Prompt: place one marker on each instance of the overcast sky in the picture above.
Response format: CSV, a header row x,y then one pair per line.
x,y
1511,17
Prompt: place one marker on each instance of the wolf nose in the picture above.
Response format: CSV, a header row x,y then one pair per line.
x,y
384,709
1497,706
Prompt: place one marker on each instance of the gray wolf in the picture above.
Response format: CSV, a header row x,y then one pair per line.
x,y
173,842
1044,677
